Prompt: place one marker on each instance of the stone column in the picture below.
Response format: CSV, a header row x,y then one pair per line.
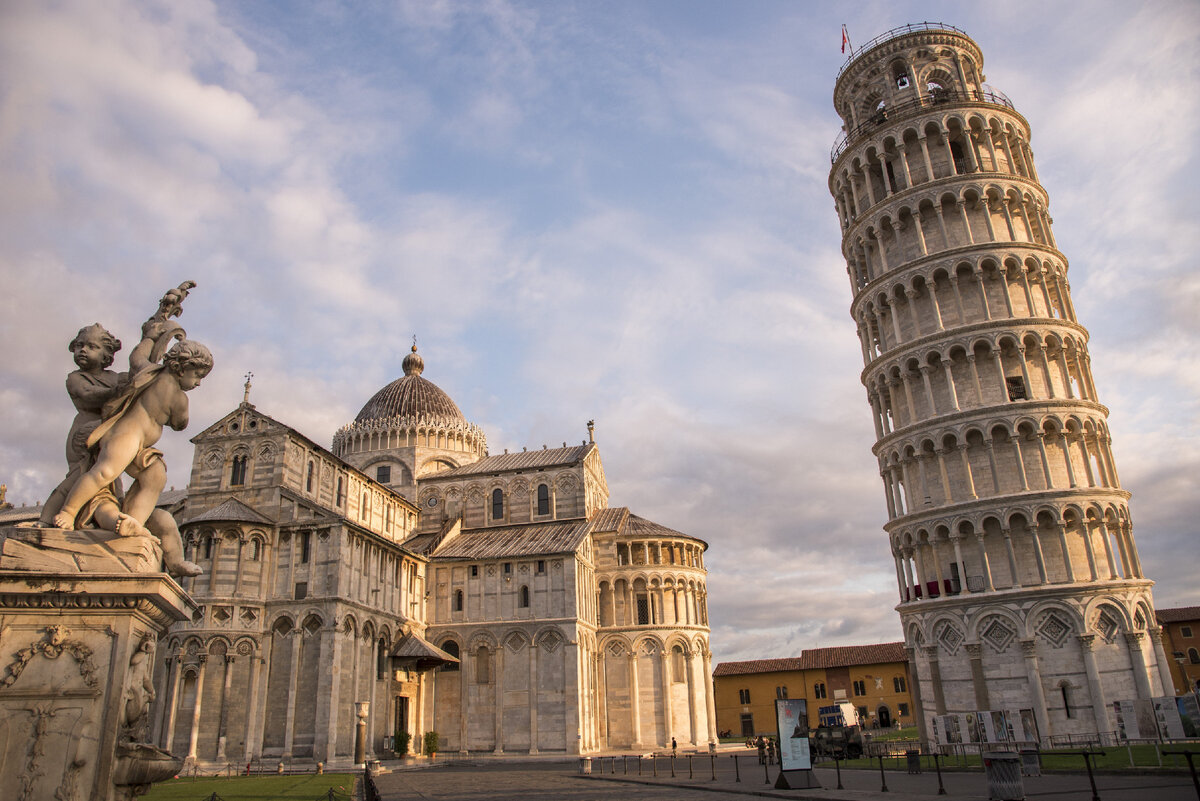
x,y
499,682
914,683
464,682
668,710
289,729
978,680
635,711
935,678
1137,658
1095,687
175,667
194,735
1034,677
533,698
693,713
223,718
709,701
1160,658
253,733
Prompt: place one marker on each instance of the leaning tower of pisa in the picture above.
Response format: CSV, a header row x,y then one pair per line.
x,y
1020,588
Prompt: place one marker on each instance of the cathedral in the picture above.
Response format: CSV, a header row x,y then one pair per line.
x,y
409,580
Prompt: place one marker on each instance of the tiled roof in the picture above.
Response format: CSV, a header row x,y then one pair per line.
x,y
421,543
819,659
20,514
493,543
553,457
1178,614
231,511
758,666
611,519
23,514
847,655
417,648
641,527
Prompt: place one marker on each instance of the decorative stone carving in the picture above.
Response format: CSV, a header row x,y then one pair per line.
x,y
120,420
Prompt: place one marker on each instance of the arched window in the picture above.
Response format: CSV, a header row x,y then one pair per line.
x,y
451,647
458,600
497,504
341,491
1194,656
237,476
523,601
208,547
819,690
255,549
308,481
543,499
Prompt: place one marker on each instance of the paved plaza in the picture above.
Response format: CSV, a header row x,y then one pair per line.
x,y
615,778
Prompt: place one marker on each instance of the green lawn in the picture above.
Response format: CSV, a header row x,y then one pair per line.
x,y
308,787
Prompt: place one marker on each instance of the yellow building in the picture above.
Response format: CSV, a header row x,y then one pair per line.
x,y
872,677
1181,641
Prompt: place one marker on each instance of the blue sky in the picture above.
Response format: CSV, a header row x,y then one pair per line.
x,y
611,210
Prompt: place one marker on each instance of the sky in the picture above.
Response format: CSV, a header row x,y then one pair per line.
x,y
615,211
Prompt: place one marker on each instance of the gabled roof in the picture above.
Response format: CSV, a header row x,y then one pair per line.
x,y
415,650
819,659
563,536
525,460
1178,614
231,511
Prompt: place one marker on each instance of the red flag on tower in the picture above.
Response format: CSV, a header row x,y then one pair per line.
x,y
845,38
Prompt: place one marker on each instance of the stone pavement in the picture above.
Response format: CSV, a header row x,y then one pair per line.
x,y
551,779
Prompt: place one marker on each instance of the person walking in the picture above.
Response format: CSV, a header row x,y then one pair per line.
x,y
674,747
762,750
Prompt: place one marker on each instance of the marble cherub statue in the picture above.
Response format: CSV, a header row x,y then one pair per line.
x,y
89,387
152,394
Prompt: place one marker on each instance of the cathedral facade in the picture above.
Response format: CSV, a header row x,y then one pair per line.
x,y
1020,588
407,578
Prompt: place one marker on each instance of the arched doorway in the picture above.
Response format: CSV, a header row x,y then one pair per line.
x,y
884,716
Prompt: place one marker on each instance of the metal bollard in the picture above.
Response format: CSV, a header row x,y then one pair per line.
x,y
712,764
882,777
937,764
625,763
837,764
736,772
672,766
766,777
654,764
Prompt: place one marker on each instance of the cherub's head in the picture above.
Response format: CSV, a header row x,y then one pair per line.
x,y
94,347
189,362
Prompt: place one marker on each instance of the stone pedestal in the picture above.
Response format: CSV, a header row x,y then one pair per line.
x,y
81,616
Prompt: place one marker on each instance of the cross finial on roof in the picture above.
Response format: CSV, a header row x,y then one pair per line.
x,y
246,388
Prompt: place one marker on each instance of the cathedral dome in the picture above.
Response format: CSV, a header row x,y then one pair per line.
x,y
410,396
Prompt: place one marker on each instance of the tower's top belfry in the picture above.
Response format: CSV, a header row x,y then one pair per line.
x,y
899,72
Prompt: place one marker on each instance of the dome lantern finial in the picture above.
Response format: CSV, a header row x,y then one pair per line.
x,y
413,364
